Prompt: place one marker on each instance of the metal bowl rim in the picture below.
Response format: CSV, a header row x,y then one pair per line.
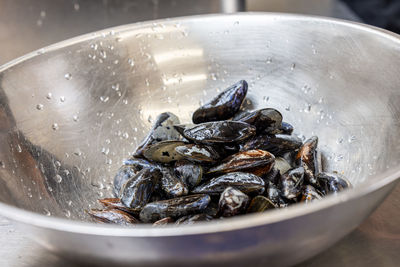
x,y
252,220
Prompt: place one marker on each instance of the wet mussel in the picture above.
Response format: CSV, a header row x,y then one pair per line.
x,y
231,161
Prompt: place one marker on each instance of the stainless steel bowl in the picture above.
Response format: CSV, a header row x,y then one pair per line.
x,y
71,112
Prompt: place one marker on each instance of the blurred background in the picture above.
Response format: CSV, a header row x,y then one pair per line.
x,y
27,25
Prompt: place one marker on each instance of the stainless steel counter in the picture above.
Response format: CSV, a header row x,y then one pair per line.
x,y
375,243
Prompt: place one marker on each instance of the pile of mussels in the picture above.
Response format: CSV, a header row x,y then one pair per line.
x,y
229,162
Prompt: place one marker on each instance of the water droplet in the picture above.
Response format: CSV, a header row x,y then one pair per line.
x,y
109,161
116,61
68,76
77,152
125,135
302,137
339,141
104,98
321,100
69,203
101,194
266,98
55,126
43,14
47,212
339,157
236,23
103,54
352,139
94,46
131,62
287,108
146,81
39,106
107,141
76,7
67,213
57,164
58,178
307,108
269,60
2,165
30,195
50,189
105,150
62,98
19,149
293,66
213,76
125,101
39,22
49,96
75,118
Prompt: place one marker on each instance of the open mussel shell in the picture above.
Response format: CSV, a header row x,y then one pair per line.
x,y
189,173
260,204
291,183
258,161
175,207
163,151
161,130
114,216
309,194
308,159
224,106
232,202
219,132
138,189
265,120
171,185
333,182
245,182
198,153
192,219
276,144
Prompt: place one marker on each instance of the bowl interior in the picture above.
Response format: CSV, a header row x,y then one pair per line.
x,y
71,114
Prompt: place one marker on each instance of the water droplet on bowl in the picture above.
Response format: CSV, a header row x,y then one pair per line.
x,y
55,126
62,98
76,7
104,98
58,178
47,212
49,96
68,76
39,106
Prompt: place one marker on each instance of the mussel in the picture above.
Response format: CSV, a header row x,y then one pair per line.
x,y
260,204
191,219
333,182
138,189
265,120
170,184
276,144
308,159
224,106
256,161
162,130
245,182
309,193
115,216
189,173
163,151
198,153
219,132
232,202
291,182
123,175
175,207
